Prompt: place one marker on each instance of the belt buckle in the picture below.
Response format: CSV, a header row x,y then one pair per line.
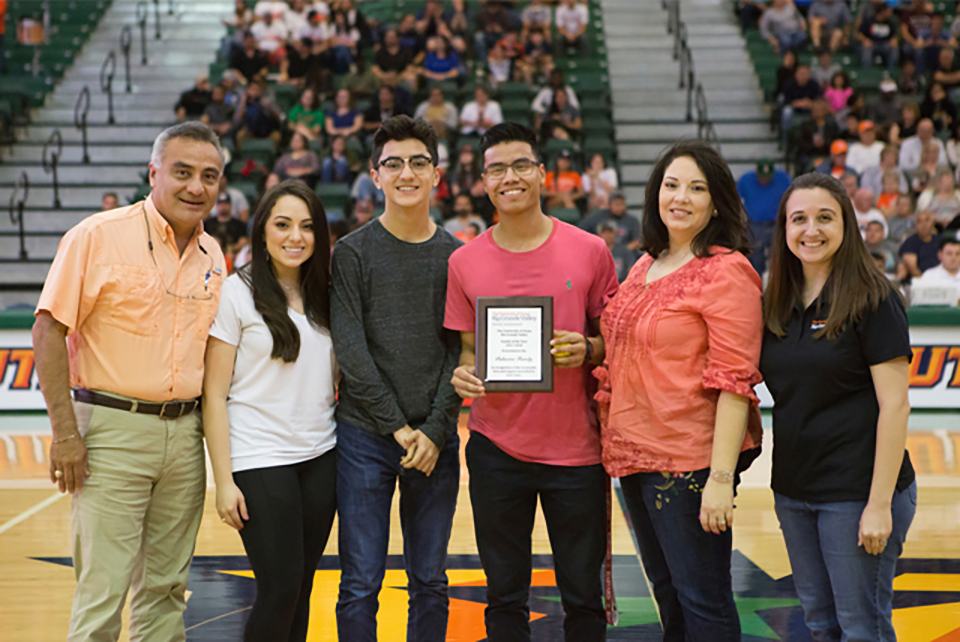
x,y
163,410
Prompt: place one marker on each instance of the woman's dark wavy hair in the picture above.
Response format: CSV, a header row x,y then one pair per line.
x,y
728,229
268,296
855,285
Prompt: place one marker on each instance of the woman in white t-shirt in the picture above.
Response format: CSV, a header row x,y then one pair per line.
x,y
268,407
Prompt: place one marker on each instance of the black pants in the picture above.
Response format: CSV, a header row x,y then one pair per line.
x,y
504,491
291,513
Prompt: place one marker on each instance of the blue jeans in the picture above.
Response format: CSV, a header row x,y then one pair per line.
x,y
846,593
340,58
504,493
888,54
791,40
368,467
335,170
688,567
761,233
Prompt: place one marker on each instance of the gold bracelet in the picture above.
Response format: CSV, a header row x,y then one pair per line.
x,y
722,476
60,441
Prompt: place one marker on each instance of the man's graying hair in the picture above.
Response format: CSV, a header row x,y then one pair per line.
x,y
191,130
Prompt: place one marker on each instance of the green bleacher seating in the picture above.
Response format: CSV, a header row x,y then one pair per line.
x,y
569,215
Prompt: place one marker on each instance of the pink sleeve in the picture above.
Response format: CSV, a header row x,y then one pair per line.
x,y
604,285
733,315
460,313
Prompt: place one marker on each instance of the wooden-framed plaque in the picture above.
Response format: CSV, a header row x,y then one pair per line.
x,y
513,343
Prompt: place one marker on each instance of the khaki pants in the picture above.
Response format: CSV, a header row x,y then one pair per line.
x,y
135,523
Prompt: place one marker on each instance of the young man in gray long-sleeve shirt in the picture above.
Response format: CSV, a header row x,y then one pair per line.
x,y
397,413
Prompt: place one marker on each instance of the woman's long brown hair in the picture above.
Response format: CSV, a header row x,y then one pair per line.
x,y
855,285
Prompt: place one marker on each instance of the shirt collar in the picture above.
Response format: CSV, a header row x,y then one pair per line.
x,y
160,225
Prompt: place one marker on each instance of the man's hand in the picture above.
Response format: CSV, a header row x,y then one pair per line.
x,y
466,383
403,436
422,453
569,349
70,459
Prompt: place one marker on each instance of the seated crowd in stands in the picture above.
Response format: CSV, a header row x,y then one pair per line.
x,y
306,84
891,137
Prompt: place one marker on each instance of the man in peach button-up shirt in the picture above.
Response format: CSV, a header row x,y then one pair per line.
x,y
123,321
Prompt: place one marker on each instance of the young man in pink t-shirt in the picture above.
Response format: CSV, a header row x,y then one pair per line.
x,y
528,445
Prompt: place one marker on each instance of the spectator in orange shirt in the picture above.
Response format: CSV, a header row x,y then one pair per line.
x,y
3,30
678,430
564,185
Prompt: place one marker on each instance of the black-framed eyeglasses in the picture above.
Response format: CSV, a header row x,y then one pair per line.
x,y
521,167
419,164
206,279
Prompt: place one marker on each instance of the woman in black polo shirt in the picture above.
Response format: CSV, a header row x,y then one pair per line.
x,y
835,357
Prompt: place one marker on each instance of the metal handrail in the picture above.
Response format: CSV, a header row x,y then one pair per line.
x,y
143,12
126,40
80,111
107,71
55,145
156,15
679,39
673,14
16,210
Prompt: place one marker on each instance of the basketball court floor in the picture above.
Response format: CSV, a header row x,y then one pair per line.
x,y
36,578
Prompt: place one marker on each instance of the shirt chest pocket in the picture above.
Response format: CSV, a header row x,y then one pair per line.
x,y
206,309
133,297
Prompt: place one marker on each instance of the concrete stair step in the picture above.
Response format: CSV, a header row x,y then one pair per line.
x,y
668,132
661,97
128,134
732,151
122,115
121,100
49,220
732,80
74,154
38,247
17,272
751,111
75,174
89,196
162,87
138,74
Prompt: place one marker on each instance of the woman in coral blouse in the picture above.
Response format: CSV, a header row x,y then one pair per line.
x,y
678,412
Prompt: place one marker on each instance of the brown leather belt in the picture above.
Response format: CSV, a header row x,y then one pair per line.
x,y
165,410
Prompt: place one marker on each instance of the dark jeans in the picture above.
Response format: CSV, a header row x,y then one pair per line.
x,y
335,170
688,567
368,467
291,513
761,235
504,491
846,593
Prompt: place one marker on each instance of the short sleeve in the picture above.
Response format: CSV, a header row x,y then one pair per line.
x,y
733,315
885,334
74,281
228,324
604,286
460,313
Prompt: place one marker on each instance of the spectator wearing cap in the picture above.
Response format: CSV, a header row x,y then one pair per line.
x,y
563,186
830,20
229,232
798,96
836,165
877,36
866,151
912,147
816,134
889,105
783,26
480,114
872,176
623,258
628,226
761,191
193,101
